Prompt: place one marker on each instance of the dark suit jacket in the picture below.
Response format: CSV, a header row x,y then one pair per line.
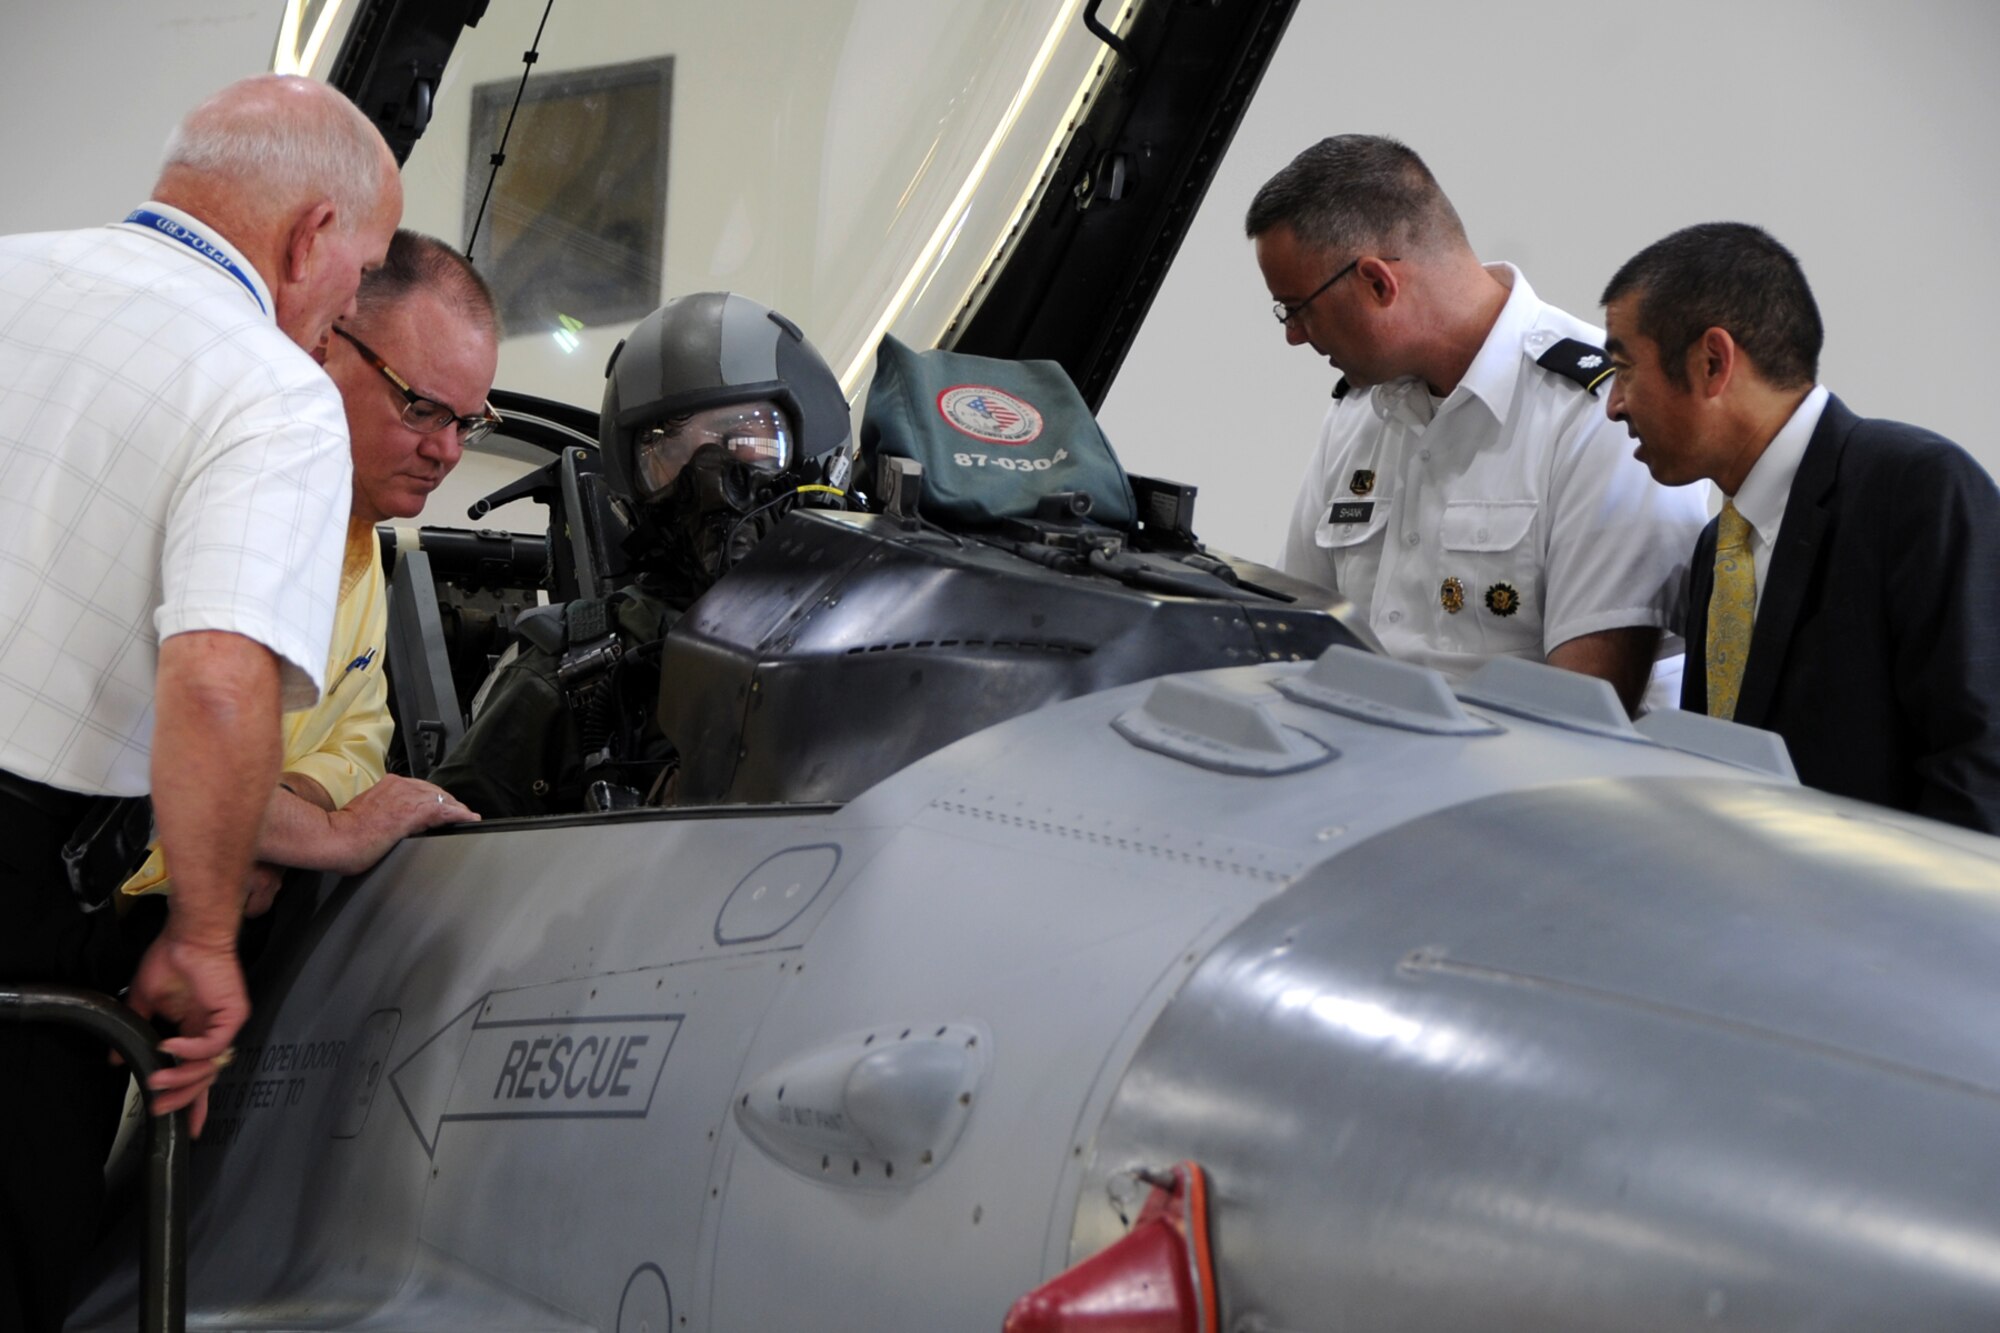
x,y
1876,649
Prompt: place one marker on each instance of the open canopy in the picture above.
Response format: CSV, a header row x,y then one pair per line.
x,y
1004,176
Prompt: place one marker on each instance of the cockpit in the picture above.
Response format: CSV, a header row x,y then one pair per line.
x,y
980,205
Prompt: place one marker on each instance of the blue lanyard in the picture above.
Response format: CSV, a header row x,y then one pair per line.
x,y
201,245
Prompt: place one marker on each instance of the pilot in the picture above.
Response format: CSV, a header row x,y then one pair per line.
x,y
414,364
719,417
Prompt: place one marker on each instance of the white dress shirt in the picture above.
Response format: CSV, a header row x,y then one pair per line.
x,y
1761,498
169,462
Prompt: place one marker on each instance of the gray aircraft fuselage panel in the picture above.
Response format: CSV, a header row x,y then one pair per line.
x,y
1514,1028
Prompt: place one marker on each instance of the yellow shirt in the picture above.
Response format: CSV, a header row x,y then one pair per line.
x,y
340,742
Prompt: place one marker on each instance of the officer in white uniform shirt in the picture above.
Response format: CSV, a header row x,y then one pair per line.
x,y
1467,495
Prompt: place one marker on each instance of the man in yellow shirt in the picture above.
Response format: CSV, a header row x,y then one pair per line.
x,y
414,365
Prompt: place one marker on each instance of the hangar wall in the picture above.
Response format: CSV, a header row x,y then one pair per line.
x,y
1866,136
90,88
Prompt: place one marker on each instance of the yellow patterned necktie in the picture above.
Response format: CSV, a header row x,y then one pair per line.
x,y
1731,609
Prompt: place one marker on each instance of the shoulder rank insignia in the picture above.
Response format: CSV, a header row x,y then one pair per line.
x,y
1341,389
1502,599
1363,481
1579,361
1451,596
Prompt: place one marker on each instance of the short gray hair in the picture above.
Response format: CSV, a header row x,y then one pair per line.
x,y
289,138
1357,192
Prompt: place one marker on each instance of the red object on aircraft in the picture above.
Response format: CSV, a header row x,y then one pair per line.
x,y
1158,1279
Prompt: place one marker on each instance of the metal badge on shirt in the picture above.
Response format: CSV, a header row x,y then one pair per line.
x,y
1352,518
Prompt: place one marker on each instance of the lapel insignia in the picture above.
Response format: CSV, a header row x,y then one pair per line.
x,y
1363,482
1502,599
1451,596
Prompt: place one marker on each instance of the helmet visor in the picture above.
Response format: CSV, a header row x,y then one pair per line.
x,y
754,433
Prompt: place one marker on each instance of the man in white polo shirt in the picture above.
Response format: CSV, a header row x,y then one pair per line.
x,y
174,487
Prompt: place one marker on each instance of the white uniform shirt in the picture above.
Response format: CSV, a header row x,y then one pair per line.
x,y
1514,500
169,461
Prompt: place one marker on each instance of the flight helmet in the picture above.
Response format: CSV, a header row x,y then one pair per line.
x,y
716,411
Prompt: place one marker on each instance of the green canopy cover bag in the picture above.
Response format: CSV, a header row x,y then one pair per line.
x,y
993,436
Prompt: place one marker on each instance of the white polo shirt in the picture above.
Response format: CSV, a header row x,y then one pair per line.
x,y
1501,521
169,461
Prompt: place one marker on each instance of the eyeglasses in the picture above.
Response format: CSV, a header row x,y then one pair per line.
x,y
424,415
1287,313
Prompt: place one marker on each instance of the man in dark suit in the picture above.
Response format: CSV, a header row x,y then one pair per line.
x,y
1848,596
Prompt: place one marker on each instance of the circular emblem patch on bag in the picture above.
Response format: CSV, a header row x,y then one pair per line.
x,y
990,414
